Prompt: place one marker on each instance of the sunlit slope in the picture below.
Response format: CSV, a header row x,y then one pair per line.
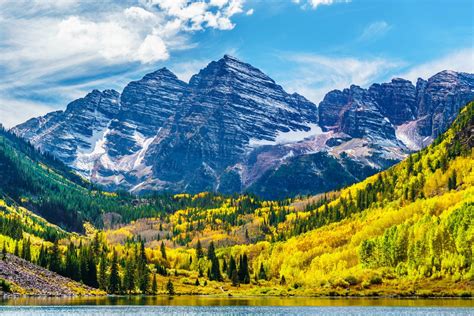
x,y
411,229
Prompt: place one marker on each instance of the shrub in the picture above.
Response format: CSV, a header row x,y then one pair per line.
x,y
375,280
5,286
352,280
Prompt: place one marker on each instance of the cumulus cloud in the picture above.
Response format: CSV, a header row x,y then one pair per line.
x,y
66,45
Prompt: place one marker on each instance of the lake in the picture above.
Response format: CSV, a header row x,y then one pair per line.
x,y
204,305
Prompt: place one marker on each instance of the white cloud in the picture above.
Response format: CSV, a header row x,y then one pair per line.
x,y
54,50
249,12
461,60
374,30
152,49
13,111
316,3
185,70
315,75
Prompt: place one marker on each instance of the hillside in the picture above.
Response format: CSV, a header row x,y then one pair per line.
x,y
406,231
47,187
19,276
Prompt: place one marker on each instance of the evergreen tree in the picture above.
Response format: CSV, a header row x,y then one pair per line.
x,y
232,267
244,274
26,249
43,256
142,269
211,253
71,267
199,251
234,278
55,258
103,281
16,252
154,284
92,277
129,276
170,287
215,272
261,274
4,251
163,250
114,280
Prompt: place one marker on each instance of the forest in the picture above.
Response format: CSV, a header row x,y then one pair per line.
x,y
406,231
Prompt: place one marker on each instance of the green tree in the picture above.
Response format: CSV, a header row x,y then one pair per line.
x,y
103,281
244,274
261,274
199,251
163,250
55,258
129,276
114,280
170,287
4,251
154,284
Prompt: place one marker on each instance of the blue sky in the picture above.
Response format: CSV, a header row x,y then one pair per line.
x,y
52,52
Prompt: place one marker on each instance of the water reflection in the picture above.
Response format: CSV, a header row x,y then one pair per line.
x,y
234,301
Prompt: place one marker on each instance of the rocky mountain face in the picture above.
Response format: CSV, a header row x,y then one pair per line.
x,y
233,129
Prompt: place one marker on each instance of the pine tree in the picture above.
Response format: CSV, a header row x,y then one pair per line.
x,y
114,280
234,278
71,267
84,263
211,253
154,284
163,250
16,252
170,287
26,250
4,251
103,284
199,251
129,276
92,264
142,269
244,274
224,266
232,267
261,274
55,258
43,257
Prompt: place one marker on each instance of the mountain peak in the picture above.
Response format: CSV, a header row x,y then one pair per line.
x,y
160,73
228,57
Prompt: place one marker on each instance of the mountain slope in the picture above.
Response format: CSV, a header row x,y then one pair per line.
x,y
406,231
26,278
233,129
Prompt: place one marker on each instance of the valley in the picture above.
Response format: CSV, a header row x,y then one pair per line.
x,y
406,231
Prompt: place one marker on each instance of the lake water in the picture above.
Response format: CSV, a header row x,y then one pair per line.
x,y
195,305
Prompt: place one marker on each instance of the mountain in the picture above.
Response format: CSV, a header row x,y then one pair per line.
x,y
233,129
407,231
